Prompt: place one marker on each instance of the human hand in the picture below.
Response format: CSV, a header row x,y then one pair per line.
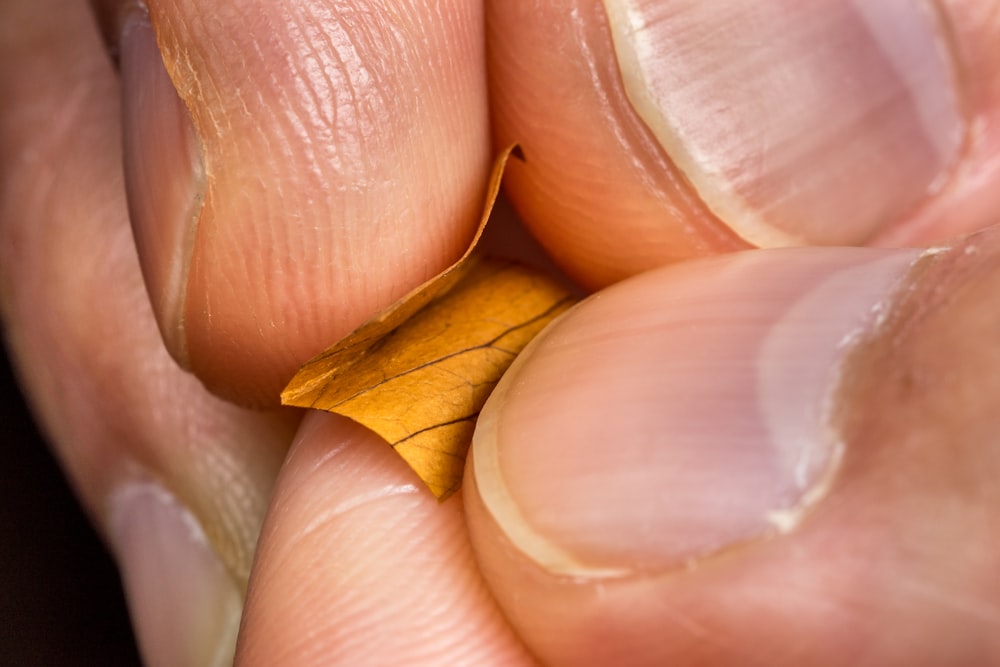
x,y
337,159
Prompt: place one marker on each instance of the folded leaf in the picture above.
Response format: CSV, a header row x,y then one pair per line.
x,y
418,373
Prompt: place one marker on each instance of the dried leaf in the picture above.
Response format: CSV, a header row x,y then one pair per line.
x,y
419,372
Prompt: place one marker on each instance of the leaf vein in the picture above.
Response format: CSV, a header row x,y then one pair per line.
x,y
452,422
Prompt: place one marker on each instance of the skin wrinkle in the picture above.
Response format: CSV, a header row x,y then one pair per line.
x,y
229,511
272,264
829,593
364,102
348,505
449,640
845,601
232,500
694,628
338,448
296,126
358,130
327,517
350,87
428,610
317,84
978,610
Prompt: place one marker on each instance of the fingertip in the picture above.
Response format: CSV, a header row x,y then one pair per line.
x,y
594,189
359,564
600,554
662,132
345,155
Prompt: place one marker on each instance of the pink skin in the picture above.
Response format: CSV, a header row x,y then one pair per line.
x,y
542,53
891,562
305,227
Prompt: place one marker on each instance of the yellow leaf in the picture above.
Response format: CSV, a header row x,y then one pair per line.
x,y
418,373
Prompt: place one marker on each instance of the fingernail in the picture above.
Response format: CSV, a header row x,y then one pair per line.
x,y
679,413
797,123
185,607
164,176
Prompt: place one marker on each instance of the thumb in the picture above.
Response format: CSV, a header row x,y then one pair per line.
x,y
776,457
293,166
659,130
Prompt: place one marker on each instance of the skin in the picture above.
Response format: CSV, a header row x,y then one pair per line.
x,y
350,546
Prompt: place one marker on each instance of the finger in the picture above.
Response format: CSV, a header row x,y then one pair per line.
x,y
359,564
778,457
294,166
659,130
175,479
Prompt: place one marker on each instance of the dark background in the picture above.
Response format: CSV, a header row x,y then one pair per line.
x,y
60,598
